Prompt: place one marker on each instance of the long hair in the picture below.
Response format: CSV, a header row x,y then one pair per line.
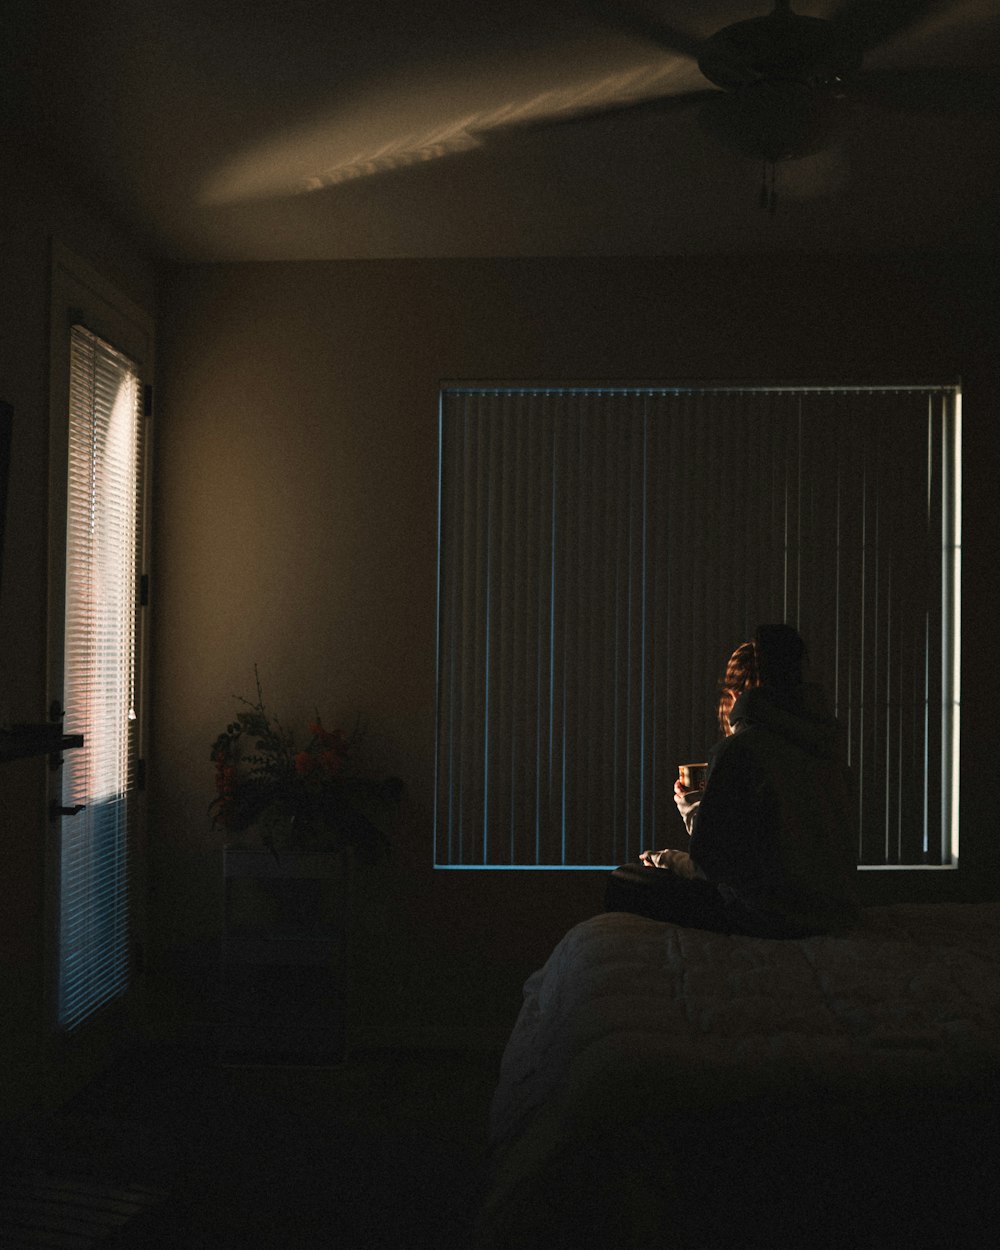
x,y
741,674
773,657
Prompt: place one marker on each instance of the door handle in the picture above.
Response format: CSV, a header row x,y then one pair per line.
x,y
56,809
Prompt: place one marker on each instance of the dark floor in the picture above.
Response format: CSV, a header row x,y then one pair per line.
x,y
385,1150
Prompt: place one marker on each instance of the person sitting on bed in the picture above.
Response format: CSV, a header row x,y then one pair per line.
x,y
772,849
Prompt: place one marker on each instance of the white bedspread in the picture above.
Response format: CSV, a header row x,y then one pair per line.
x,y
643,1050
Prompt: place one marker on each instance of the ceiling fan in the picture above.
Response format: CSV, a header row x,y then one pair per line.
x,y
781,83
775,87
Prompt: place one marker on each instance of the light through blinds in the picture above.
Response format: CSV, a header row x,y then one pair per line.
x,y
99,679
602,551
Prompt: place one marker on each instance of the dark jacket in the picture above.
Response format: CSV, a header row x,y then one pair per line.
x,y
776,827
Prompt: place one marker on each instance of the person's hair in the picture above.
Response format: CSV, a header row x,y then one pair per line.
x,y
773,657
741,674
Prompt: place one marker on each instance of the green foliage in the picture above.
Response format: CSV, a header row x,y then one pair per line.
x,y
311,798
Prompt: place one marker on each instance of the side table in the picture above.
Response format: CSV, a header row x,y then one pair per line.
x,y
285,974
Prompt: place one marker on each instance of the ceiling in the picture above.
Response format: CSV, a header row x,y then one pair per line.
x,y
308,129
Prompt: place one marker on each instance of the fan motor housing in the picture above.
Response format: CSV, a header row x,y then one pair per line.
x,y
781,47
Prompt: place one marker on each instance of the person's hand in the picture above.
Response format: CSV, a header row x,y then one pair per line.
x,y
655,859
686,800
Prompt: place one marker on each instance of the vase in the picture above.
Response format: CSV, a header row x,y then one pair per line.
x,y
285,959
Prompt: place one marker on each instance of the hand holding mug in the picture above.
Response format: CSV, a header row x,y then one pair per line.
x,y
686,800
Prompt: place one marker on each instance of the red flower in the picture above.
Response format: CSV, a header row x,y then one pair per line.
x,y
225,776
304,763
329,739
332,760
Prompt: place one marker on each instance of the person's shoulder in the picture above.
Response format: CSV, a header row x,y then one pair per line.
x,y
800,716
728,752
815,702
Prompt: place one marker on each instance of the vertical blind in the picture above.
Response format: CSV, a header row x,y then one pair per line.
x,y
102,538
602,551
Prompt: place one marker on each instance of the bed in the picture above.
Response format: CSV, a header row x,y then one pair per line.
x,y
676,1088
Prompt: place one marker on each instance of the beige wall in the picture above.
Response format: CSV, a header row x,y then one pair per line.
x,y
296,510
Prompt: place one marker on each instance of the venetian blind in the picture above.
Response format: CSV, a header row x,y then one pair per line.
x,y
100,662
601,552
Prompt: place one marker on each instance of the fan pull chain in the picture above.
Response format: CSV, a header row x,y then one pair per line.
x,y
768,197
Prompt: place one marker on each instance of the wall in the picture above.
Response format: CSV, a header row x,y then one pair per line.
x,y
296,512
39,204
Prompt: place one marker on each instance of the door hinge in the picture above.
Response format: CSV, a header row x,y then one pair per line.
x,y
147,400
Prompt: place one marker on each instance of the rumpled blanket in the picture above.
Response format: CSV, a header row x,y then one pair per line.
x,y
662,1086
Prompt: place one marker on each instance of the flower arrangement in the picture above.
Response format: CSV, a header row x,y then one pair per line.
x,y
312,798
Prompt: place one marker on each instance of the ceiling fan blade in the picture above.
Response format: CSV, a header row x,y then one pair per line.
x,y
652,29
966,92
650,106
870,23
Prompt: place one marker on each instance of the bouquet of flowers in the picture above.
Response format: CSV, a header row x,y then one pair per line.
x,y
302,799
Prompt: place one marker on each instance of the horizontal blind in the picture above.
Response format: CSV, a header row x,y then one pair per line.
x,y
99,691
601,551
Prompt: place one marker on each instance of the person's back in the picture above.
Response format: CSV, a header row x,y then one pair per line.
x,y
776,825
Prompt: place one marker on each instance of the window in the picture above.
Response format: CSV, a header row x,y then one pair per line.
x,y
601,550
100,648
